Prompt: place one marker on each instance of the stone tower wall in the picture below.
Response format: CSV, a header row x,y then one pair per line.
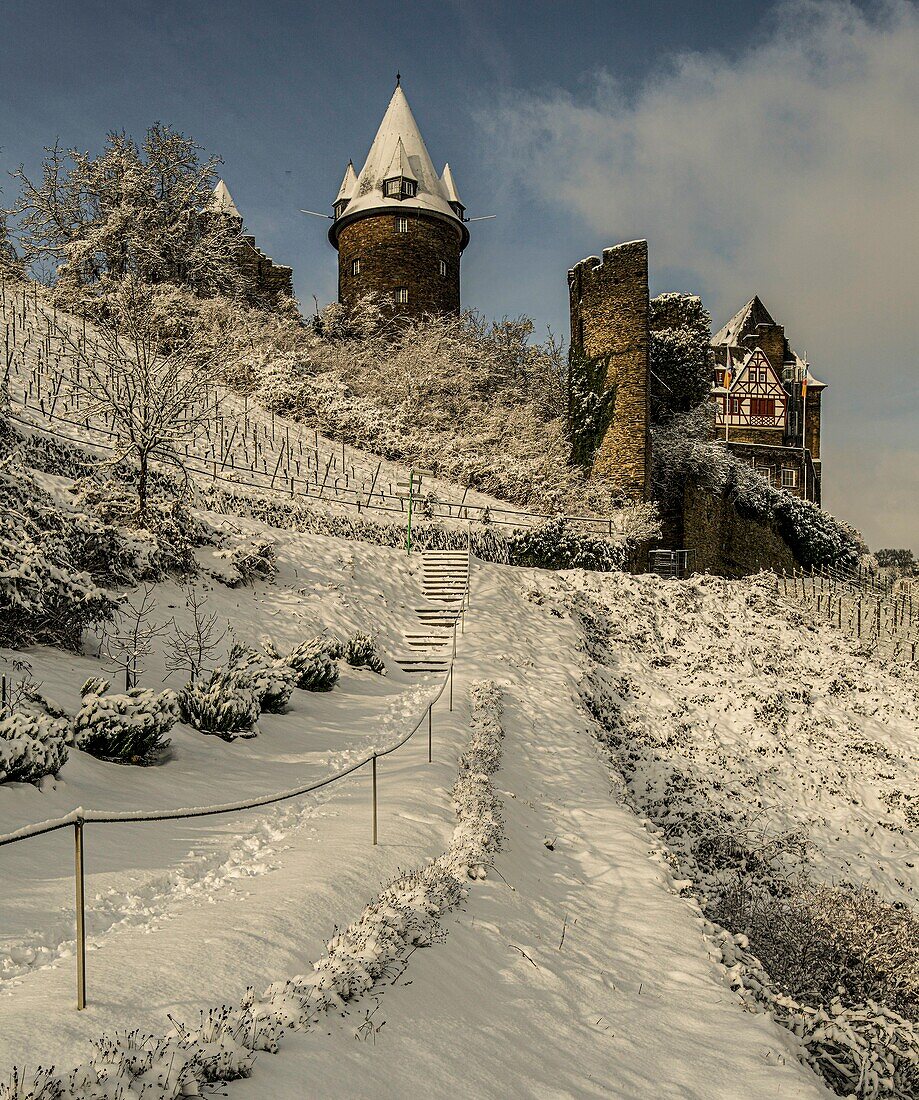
x,y
390,259
609,347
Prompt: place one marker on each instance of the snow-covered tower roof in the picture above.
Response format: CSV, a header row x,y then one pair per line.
x,y
222,201
398,153
348,184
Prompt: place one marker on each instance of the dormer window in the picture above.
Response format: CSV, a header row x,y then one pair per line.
x,y
459,210
340,207
400,187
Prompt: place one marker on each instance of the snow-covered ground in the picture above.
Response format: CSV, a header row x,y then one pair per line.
x,y
760,715
576,969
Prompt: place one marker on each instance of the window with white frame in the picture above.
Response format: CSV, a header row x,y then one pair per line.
x,y
356,267
402,295
394,189
789,477
401,225
442,266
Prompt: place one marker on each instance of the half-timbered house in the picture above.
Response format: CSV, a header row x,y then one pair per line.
x,y
767,403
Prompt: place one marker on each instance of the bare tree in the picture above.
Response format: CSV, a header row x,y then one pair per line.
x,y
192,649
154,400
134,634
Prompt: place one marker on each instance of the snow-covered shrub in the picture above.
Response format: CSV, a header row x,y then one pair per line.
x,y
272,678
31,746
313,663
163,539
821,942
223,704
554,544
251,561
42,601
124,728
360,651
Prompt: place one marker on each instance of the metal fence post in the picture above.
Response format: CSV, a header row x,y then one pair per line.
x,y
81,913
430,731
374,798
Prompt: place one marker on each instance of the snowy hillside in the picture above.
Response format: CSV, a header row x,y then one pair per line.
x,y
665,841
240,446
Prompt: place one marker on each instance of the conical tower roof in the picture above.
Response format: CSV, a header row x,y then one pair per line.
x,y
449,187
222,200
398,150
348,184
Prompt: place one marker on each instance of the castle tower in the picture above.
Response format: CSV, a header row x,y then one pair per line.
x,y
399,227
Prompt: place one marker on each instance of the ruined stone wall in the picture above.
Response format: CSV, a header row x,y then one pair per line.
x,y
390,259
271,281
609,366
724,542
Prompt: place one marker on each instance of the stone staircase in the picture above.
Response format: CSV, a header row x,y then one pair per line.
x,y
444,585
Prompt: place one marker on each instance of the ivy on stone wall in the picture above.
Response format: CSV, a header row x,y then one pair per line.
x,y
590,404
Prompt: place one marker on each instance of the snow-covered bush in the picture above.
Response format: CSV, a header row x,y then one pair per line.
x,y
162,540
554,544
124,728
41,600
272,678
819,943
252,561
680,355
313,663
31,746
360,651
222,703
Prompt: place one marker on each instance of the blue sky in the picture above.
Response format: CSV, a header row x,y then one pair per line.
x,y
722,132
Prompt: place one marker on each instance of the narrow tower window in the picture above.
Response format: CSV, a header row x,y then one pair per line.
x,y
442,266
401,225
355,267
402,295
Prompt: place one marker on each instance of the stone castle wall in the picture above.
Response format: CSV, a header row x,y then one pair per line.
x,y
390,259
609,303
271,281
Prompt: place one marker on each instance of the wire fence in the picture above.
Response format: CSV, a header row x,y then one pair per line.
x,y
883,618
240,444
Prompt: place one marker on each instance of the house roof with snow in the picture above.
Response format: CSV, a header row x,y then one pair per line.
x,y
398,151
744,321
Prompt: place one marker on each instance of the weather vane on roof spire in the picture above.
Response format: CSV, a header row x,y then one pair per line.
x,y
398,79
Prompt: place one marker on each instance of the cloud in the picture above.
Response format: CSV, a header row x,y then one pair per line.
x,y
790,169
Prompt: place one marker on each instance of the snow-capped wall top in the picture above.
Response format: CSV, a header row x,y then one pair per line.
x,y
398,150
223,201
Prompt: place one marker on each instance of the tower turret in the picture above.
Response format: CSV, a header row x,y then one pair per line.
x,y
399,227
